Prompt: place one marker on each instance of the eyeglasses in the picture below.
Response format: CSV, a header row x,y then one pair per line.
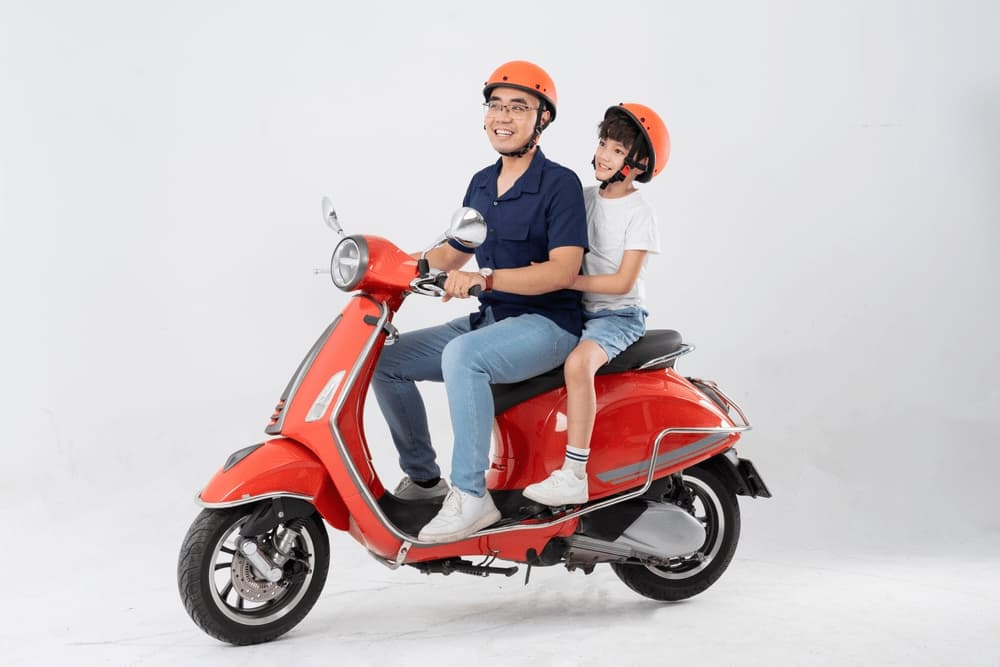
x,y
516,110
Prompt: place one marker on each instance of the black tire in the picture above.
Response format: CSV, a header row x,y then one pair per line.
x,y
717,508
212,594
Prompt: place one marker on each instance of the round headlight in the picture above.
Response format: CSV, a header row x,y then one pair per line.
x,y
349,261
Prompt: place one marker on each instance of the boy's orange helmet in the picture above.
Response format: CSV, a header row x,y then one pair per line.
x,y
525,76
657,138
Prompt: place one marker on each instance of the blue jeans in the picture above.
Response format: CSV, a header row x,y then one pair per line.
x,y
467,361
614,330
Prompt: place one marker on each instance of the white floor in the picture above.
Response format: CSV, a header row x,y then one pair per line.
x,y
108,596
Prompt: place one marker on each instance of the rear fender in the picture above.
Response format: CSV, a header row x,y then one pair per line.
x,y
738,474
279,468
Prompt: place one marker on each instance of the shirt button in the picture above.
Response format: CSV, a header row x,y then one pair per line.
x,y
495,203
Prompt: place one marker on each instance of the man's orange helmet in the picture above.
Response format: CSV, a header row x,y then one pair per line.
x,y
657,138
525,76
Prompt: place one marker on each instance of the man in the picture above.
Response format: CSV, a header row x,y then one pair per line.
x,y
528,319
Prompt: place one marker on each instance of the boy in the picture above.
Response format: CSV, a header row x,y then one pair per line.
x,y
633,146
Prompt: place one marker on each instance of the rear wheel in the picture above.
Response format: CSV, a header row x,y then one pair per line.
x,y
224,593
717,509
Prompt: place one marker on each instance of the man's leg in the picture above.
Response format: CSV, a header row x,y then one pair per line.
x,y
511,350
414,357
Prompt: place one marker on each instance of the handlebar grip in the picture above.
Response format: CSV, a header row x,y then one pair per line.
x,y
475,290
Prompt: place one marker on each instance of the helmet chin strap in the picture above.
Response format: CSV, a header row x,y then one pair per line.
x,y
622,173
521,152
524,149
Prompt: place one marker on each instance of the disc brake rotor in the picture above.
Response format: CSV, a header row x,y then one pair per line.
x,y
249,586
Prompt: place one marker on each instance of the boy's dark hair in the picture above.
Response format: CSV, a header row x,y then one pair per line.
x,y
618,126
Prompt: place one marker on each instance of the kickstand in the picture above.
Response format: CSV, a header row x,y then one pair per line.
x,y
527,574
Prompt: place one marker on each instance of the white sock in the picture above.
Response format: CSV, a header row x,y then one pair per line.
x,y
576,461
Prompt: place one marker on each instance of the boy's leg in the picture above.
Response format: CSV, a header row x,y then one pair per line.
x,y
415,356
581,401
606,334
568,485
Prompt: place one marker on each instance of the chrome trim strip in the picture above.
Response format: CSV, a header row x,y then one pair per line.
x,y
252,499
404,549
664,460
346,388
616,499
679,352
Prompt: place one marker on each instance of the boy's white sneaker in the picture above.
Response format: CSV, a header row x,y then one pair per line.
x,y
461,515
562,487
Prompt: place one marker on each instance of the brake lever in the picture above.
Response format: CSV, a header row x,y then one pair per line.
x,y
429,285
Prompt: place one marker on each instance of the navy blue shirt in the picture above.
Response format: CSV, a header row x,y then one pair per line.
x,y
543,210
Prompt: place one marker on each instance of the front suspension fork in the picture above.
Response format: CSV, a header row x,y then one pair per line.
x,y
267,519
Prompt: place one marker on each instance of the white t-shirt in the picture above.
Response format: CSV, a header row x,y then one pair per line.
x,y
614,226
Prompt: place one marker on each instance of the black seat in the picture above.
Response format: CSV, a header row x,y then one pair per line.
x,y
655,344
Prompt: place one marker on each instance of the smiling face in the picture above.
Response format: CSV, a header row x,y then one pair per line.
x,y
512,124
609,158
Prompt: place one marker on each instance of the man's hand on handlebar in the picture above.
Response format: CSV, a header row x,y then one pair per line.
x,y
462,285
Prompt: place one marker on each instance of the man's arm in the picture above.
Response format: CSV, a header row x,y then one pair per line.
x,y
557,273
445,258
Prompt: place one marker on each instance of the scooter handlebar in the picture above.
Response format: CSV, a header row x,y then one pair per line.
x,y
475,290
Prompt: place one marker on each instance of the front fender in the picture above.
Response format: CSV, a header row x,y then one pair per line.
x,y
276,468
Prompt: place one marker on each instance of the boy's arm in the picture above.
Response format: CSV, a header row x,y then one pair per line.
x,y
614,283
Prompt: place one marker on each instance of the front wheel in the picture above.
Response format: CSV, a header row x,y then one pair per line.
x,y
717,509
226,596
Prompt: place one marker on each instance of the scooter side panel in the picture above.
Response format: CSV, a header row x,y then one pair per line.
x,y
632,410
278,467
340,356
337,360
633,413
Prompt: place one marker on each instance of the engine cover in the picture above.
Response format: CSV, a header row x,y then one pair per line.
x,y
661,532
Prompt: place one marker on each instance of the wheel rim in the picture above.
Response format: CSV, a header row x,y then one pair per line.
x,y
709,513
228,574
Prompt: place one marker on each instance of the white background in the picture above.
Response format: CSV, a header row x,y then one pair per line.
x,y
829,214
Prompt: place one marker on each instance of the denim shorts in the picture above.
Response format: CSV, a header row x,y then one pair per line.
x,y
614,330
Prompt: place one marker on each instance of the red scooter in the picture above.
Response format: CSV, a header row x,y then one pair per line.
x,y
664,477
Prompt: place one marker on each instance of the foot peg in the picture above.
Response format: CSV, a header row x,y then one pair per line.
x,y
449,565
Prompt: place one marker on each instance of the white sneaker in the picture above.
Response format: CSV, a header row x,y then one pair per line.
x,y
407,489
461,515
562,487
